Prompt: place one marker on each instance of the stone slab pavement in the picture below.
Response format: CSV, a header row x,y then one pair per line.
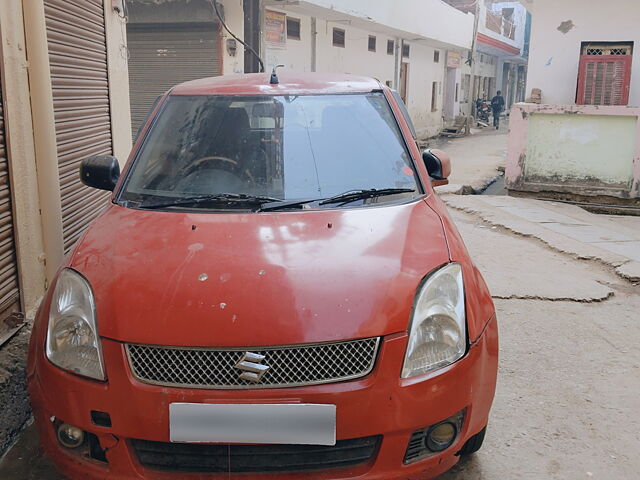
x,y
610,239
518,274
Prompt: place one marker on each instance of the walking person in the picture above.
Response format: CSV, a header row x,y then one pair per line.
x,y
497,105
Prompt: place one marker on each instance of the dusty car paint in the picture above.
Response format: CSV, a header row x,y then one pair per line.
x,y
245,279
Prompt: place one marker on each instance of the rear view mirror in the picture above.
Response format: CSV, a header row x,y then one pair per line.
x,y
438,165
100,171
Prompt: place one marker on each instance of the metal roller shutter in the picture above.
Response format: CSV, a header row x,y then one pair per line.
x,y
79,77
163,55
9,288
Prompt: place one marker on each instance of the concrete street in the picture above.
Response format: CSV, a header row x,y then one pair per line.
x,y
566,286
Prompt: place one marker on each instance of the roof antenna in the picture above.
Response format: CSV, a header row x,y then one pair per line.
x,y
214,4
274,76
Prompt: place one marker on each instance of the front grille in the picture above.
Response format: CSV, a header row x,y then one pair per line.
x,y
289,366
234,458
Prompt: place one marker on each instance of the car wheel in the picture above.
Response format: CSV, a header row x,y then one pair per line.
x,y
473,444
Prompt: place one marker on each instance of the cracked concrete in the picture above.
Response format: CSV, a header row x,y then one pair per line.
x,y
566,400
611,240
520,275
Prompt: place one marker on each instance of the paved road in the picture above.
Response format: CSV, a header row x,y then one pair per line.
x,y
569,369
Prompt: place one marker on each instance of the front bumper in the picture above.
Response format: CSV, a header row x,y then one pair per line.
x,y
379,404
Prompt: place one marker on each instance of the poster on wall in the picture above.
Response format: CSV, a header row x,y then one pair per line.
x,y
454,60
275,25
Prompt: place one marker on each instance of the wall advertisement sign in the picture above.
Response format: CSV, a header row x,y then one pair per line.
x,y
275,29
454,60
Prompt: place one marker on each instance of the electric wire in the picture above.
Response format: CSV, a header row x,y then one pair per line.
x,y
214,4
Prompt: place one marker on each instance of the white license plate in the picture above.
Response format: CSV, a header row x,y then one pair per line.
x,y
296,423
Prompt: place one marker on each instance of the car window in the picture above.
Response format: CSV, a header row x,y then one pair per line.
x,y
146,118
405,114
288,147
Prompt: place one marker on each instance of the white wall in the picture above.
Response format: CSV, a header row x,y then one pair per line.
x,y
422,72
432,19
554,56
355,57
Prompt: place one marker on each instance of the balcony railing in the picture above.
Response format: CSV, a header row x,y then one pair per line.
x,y
496,22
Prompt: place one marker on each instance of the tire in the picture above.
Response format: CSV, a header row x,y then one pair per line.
x,y
473,444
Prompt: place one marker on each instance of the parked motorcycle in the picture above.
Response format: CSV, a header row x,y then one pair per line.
x,y
483,110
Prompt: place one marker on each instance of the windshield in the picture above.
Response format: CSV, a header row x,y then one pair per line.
x,y
283,148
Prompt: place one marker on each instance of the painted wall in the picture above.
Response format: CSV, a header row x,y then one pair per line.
x,y
582,149
21,149
423,71
355,57
432,19
554,56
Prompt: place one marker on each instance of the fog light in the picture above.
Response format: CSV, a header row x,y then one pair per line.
x,y
441,436
70,436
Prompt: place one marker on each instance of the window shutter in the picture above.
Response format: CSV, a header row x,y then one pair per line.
x,y
604,79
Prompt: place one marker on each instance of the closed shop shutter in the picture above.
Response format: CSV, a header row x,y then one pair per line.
x,y
78,58
163,55
9,290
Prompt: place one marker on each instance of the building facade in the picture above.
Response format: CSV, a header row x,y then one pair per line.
x,y
420,59
500,49
177,40
64,97
583,139
503,32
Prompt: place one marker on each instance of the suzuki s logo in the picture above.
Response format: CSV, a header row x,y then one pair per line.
x,y
251,366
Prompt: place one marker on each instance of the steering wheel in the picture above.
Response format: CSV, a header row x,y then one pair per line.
x,y
228,164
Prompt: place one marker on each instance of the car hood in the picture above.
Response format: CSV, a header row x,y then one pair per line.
x,y
229,279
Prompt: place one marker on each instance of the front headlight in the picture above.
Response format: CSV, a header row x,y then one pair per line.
x,y
72,336
438,331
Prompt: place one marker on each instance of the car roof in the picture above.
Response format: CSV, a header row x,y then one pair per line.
x,y
291,83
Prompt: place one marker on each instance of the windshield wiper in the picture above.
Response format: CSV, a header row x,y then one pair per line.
x,y
346,197
282,205
353,195
228,198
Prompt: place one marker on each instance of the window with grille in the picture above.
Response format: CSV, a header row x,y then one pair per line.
x,y
338,37
605,73
405,50
391,45
293,28
372,43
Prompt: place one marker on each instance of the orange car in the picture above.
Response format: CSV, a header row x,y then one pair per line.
x,y
274,291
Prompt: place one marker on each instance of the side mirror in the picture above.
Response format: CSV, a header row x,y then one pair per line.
x,y
100,171
438,165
